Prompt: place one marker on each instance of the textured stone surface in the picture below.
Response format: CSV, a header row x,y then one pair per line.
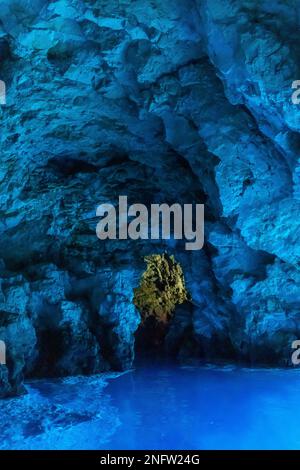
x,y
164,101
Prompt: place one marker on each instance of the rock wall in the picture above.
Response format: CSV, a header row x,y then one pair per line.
x,y
163,101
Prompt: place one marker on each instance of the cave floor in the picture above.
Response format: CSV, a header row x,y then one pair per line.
x,y
158,407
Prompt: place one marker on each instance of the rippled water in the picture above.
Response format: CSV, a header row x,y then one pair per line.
x,y
158,408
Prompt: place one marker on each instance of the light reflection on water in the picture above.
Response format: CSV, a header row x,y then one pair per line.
x,y
158,407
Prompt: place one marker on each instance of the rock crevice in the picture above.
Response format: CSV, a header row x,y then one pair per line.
x,y
165,102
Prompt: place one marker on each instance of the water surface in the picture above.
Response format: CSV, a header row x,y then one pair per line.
x,y
158,407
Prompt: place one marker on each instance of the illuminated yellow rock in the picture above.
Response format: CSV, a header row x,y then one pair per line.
x,y
162,287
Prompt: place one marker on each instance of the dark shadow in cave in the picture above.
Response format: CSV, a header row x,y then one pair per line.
x,y
150,339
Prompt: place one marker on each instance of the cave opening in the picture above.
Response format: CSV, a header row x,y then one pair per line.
x,y
162,288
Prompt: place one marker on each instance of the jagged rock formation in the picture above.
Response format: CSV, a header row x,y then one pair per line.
x,y
164,101
161,290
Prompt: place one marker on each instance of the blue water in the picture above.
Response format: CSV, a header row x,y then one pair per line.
x,y
158,408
